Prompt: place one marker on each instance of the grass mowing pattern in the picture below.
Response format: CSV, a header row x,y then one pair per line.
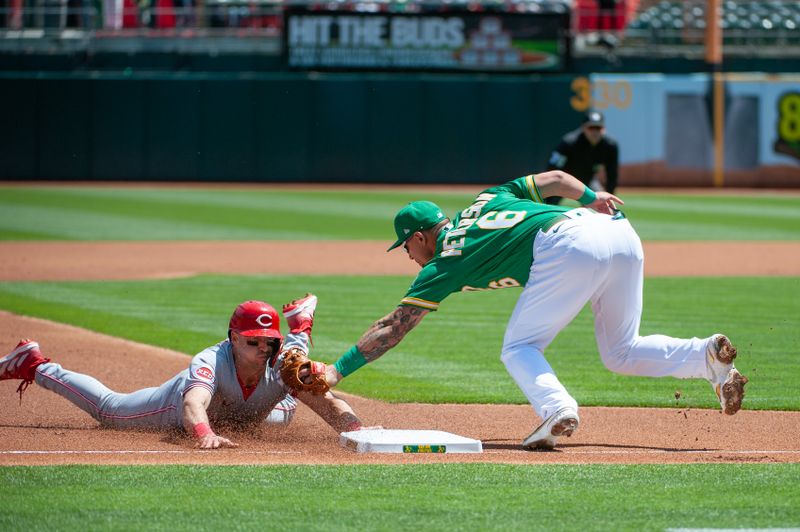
x,y
96,213
453,355
406,497
79,213
458,347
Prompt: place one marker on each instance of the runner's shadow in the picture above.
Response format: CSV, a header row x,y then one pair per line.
x,y
178,438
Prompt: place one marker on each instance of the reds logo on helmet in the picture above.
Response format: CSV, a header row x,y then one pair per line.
x,y
256,318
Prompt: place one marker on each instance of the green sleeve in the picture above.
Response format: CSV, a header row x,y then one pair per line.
x,y
432,285
524,188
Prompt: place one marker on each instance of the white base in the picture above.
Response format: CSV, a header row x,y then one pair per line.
x,y
408,441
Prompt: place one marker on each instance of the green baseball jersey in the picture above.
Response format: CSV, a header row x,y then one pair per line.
x,y
489,246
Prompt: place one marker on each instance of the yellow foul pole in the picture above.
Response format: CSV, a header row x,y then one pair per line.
x,y
714,62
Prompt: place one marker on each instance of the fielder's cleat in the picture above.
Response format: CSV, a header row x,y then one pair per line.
x,y
563,423
21,363
721,350
731,392
726,380
299,314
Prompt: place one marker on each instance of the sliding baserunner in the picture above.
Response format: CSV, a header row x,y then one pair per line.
x,y
235,383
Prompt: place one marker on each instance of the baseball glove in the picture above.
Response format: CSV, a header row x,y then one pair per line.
x,y
294,362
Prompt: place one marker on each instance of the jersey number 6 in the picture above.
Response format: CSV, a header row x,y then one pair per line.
x,y
500,219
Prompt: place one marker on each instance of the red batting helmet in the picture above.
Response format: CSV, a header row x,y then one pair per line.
x,y
256,318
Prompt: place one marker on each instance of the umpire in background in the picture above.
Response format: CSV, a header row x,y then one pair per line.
x,y
588,154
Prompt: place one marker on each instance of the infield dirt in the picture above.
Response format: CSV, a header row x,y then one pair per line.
x,y
46,429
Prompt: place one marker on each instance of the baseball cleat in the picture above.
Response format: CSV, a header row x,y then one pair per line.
x,y
563,423
21,363
721,350
299,313
731,392
726,380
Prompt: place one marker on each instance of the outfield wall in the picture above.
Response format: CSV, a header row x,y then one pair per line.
x,y
281,127
665,126
383,128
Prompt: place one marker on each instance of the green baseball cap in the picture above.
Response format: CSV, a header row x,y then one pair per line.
x,y
416,216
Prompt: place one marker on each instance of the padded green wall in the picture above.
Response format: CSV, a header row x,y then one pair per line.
x,y
287,127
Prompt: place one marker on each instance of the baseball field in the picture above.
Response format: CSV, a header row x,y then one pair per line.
x,y
127,282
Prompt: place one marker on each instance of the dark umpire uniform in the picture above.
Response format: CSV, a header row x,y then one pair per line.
x,y
583,151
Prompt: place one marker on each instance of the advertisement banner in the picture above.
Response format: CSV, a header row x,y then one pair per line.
x,y
664,124
336,40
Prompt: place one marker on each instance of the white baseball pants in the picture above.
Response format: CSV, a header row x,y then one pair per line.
x,y
598,258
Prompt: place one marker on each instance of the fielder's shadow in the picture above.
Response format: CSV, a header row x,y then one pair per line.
x,y
574,446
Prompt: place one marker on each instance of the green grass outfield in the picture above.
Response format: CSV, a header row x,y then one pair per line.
x,y
136,213
451,357
424,497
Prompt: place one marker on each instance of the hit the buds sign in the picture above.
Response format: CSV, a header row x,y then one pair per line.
x,y
444,41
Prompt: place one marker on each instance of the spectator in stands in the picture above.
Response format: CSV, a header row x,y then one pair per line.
x,y
607,22
185,13
112,14
606,15
13,10
588,154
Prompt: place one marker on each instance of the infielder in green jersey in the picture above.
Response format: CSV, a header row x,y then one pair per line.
x,y
561,258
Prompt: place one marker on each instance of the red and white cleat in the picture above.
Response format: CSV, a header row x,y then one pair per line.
x,y
299,314
21,363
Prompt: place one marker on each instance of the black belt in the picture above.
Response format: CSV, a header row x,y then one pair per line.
x,y
549,224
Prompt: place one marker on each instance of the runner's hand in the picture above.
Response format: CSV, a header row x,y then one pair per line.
x,y
213,441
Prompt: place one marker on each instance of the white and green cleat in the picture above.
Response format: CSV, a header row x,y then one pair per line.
x,y
726,380
563,423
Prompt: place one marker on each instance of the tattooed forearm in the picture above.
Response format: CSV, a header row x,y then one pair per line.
x,y
388,331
